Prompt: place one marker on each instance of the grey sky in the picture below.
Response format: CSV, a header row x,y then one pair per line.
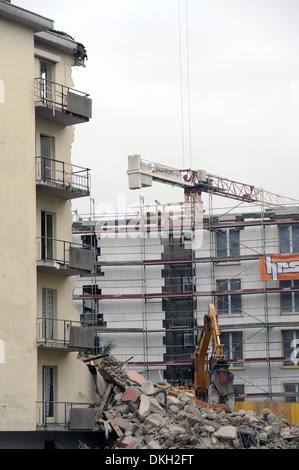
x,y
243,77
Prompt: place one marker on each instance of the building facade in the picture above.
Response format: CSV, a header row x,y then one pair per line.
x,y
151,287
42,379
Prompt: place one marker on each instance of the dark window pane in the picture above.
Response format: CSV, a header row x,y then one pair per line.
x,y
296,295
225,342
290,389
237,345
234,242
235,284
221,243
223,305
236,306
284,239
286,302
239,390
222,284
295,238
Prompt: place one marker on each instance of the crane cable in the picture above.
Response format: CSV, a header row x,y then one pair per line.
x,y
187,79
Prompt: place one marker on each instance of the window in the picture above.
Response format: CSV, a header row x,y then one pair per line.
x,y
47,73
292,392
289,299
290,347
289,238
49,385
48,313
229,303
239,389
47,234
227,242
47,154
232,347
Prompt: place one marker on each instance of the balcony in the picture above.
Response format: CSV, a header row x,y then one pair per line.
x,y
62,257
60,179
63,335
61,104
65,416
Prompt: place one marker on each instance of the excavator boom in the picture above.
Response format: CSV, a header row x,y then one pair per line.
x,y
217,384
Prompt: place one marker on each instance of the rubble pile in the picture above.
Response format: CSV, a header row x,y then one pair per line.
x,y
138,414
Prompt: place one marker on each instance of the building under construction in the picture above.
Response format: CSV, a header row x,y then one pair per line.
x,y
156,271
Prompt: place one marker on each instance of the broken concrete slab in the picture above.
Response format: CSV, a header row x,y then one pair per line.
x,y
226,433
123,408
130,394
127,443
144,407
173,400
153,445
156,407
136,377
154,420
122,422
147,387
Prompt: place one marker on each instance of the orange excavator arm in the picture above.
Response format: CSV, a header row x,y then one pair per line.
x,y
216,384
198,360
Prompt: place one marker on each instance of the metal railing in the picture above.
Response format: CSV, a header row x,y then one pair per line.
x,y
52,330
52,249
53,93
54,414
69,176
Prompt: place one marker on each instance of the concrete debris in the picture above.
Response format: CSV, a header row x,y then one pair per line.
x,y
139,414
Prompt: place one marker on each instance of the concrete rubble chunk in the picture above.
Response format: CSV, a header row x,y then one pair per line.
x,y
121,422
136,377
131,394
145,415
156,407
173,400
148,387
128,442
153,445
155,420
144,407
226,432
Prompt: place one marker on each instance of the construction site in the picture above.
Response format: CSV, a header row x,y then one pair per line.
x,y
172,324
157,271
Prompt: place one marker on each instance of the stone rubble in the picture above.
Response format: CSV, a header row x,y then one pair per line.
x,y
144,416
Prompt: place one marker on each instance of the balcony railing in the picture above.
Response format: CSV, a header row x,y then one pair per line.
x,y
63,335
63,257
56,415
61,179
59,103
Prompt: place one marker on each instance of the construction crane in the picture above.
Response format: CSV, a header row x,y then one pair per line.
x,y
142,173
216,383
213,383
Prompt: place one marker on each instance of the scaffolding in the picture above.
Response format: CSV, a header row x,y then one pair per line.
x,y
153,280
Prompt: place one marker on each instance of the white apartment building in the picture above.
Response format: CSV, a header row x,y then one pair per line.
x,y
45,389
151,288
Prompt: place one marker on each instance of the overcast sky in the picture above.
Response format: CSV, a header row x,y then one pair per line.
x,y
206,84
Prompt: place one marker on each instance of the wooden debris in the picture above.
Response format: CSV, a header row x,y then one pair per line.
x,y
113,423
103,402
111,377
